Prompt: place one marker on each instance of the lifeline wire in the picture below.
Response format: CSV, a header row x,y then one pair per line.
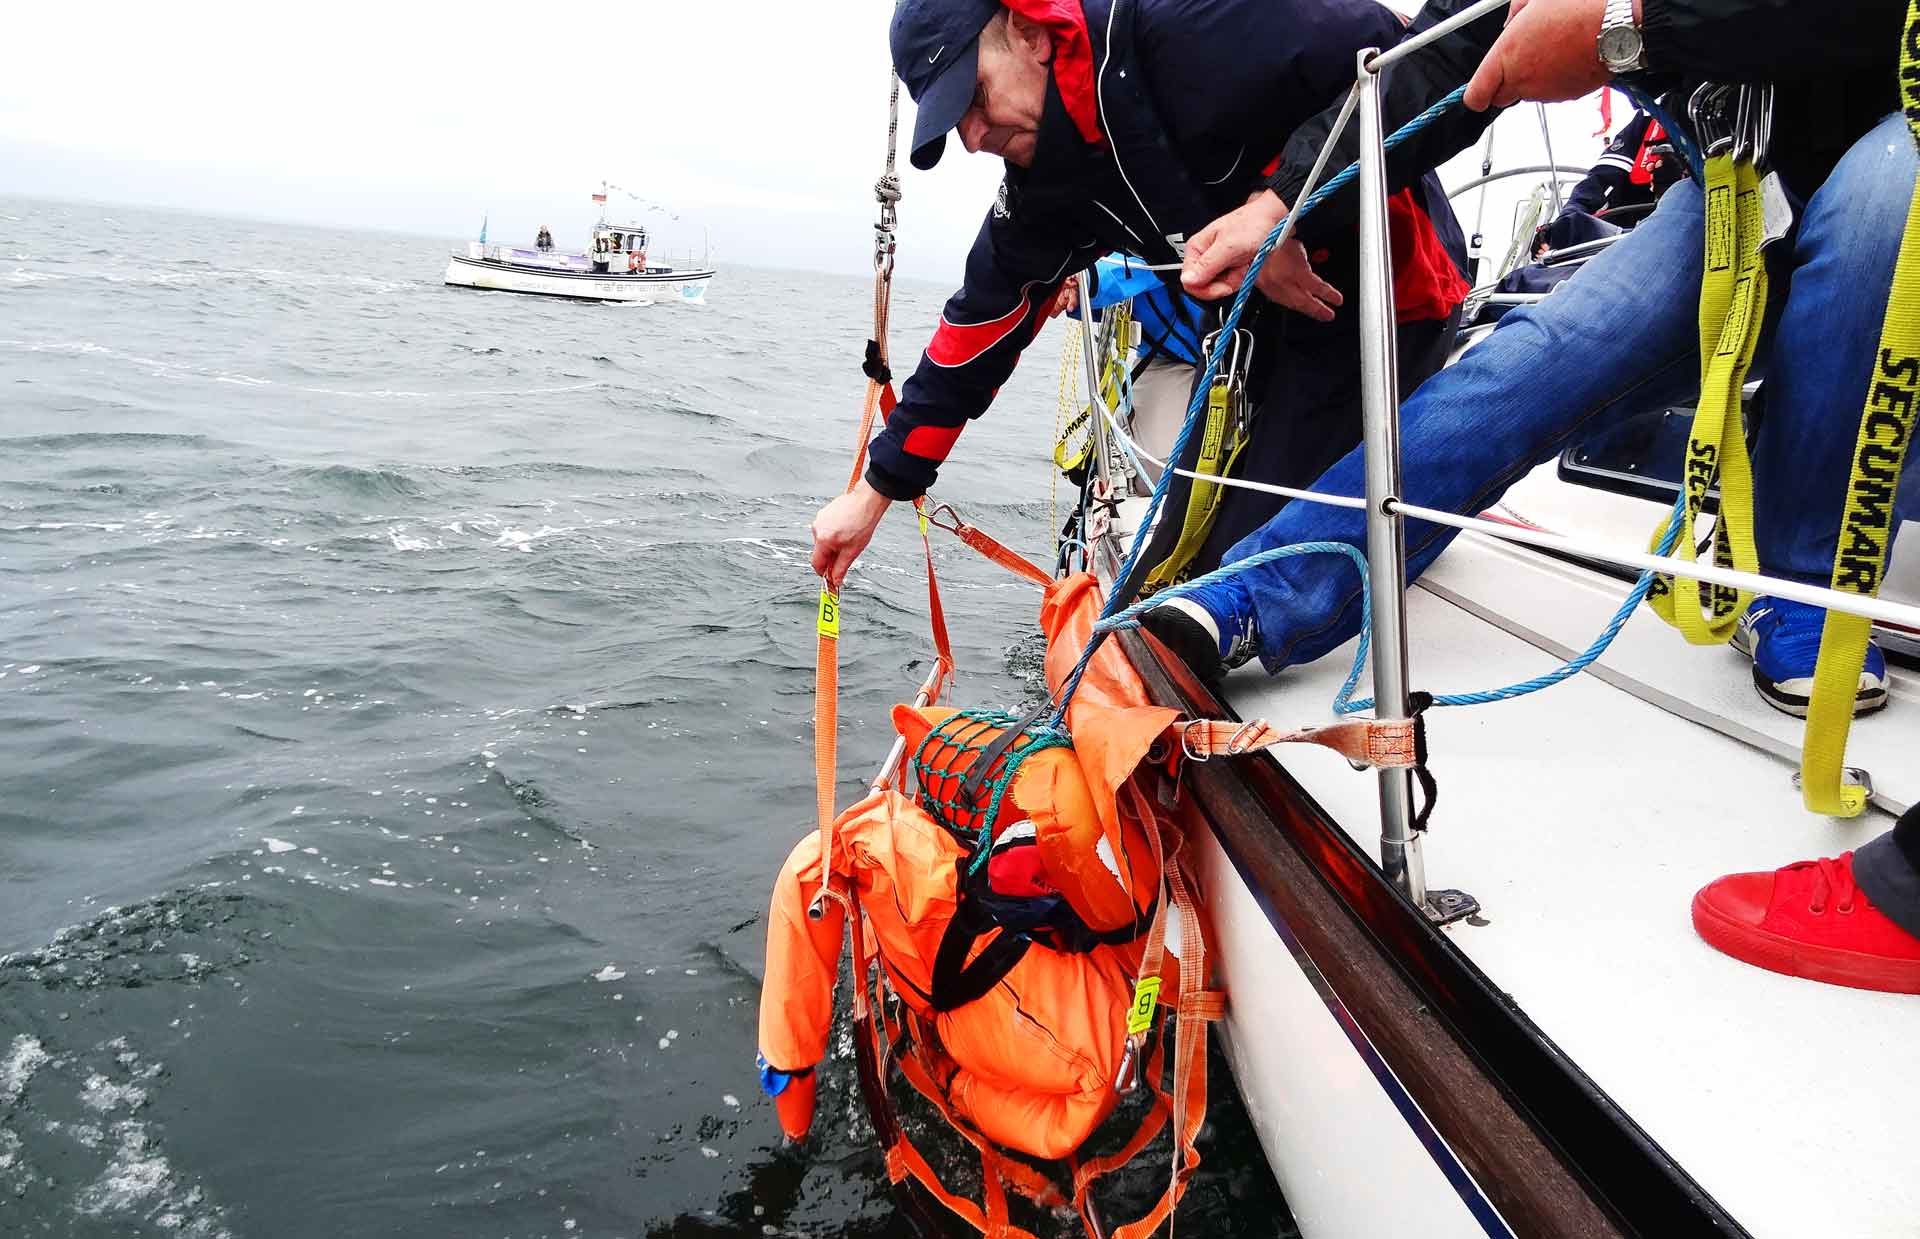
x,y
1342,701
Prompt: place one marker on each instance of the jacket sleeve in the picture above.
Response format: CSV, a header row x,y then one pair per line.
x,y
1739,40
1013,272
1407,88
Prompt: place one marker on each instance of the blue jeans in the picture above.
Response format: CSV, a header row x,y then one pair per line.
x,y
1621,338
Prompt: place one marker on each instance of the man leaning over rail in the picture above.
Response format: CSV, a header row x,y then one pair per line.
x,y
1126,125
1621,337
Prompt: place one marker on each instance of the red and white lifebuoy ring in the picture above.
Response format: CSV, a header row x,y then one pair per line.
x,y
634,259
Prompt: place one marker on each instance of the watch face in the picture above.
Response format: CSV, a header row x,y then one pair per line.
x,y
1619,45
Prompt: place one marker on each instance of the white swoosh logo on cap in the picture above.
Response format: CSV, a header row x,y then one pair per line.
x,y
935,58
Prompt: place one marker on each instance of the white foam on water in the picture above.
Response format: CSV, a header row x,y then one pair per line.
x,y
609,973
135,1175
277,846
103,1095
24,1057
51,526
731,1100
402,542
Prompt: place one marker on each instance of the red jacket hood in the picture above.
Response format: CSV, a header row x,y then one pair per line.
x,y
1073,68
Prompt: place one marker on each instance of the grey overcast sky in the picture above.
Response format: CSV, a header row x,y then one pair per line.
x,y
760,123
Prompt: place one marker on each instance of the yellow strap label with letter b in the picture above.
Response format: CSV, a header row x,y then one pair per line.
x,y
829,614
1146,996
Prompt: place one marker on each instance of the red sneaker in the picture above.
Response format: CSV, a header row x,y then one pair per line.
x,y
1809,920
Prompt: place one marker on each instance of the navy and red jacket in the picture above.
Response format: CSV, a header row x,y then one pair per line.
x,y
1161,116
1634,170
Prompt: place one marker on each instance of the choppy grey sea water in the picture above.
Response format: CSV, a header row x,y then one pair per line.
x,y
405,704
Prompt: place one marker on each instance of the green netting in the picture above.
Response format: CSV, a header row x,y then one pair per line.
x,y
946,756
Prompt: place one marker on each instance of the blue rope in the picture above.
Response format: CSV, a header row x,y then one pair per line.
x,y
1118,614
1129,618
1199,401
1682,138
1225,335
1342,703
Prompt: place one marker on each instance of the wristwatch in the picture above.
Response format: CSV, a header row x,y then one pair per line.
x,y
1621,48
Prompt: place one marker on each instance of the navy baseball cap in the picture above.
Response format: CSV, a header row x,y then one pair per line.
x,y
936,52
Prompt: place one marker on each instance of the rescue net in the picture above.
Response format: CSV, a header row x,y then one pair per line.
x,y
950,789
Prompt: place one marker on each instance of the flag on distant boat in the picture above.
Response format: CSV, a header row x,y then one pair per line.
x,y
483,229
600,199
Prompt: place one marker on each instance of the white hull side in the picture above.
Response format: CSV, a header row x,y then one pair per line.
x,y
674,286
1351,1151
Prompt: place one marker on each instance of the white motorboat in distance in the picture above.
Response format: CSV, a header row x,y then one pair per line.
x,y
614,268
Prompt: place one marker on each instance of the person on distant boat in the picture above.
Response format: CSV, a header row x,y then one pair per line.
x,y
1126,125
545,240
1622,336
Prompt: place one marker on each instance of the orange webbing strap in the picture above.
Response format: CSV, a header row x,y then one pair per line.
x,y
1381,743
987,544
826,679
997,1171
1146,986
1186,1102
1198,1008
902,1158
942,646
1086,1173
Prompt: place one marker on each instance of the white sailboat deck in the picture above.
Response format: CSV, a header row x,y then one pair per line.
x,y
1585,817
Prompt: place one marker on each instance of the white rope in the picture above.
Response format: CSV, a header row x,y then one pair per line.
x,y
1899,613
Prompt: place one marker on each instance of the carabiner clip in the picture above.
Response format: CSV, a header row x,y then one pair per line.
x,y
933,512
1707,109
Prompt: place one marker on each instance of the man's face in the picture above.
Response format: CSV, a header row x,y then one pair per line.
x,y
1011,94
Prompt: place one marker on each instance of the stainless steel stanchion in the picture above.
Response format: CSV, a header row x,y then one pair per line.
x,y
1386,539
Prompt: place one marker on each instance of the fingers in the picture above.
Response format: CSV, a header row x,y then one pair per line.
x,y
1324,292
842,564
1200,265
1488,81
1216,291
822,557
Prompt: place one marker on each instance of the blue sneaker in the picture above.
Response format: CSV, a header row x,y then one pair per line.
x,y
1211,629
1783,639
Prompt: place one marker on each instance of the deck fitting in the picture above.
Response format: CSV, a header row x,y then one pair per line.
x,y
1446,907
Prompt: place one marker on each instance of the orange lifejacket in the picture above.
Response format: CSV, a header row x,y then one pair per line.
x,y
1034,1058
1033,1061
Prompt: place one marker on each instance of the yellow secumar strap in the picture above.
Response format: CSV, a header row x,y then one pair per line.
x,y
1733,300
1221,443
1068,454
829,614
1860,560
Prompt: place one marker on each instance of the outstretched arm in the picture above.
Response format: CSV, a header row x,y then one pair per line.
x,y
1014,272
